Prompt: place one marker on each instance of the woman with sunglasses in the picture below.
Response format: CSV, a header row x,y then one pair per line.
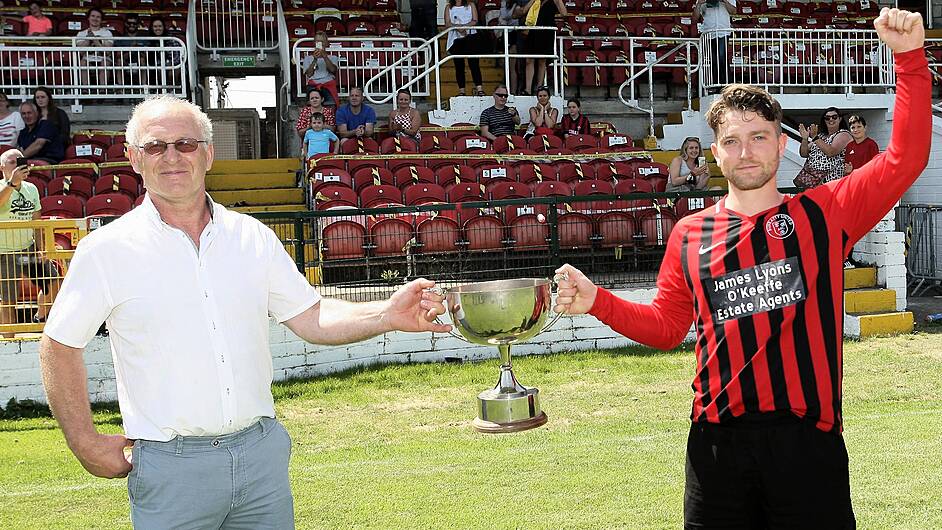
x,y
823,145
862,149
688,171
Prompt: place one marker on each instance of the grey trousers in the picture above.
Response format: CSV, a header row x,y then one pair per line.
x,y
238,480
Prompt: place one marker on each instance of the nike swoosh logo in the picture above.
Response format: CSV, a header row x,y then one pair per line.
x,y
709,248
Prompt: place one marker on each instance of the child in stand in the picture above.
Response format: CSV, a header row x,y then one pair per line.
x,y
317,139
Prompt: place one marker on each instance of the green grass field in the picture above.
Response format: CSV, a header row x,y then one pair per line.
x,y
393,447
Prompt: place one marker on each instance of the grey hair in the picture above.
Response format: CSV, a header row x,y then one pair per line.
x,y
158,104
31,103
9,154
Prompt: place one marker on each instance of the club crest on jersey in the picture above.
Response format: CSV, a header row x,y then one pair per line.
x,y
780,226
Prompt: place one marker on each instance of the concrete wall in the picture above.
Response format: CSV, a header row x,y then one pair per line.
x,y
293,358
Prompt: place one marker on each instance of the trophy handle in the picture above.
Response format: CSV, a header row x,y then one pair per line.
x,y
556,279
441,292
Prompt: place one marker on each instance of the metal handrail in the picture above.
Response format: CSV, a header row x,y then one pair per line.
x,y
437,60
255,35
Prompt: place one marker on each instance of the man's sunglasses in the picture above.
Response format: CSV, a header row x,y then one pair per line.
x,y
498,94
832,116
183,145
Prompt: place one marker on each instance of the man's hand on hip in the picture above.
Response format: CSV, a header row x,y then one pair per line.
x,y
901,30
103,455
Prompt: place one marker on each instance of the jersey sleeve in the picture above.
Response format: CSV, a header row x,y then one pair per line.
x,y
664,322
862,198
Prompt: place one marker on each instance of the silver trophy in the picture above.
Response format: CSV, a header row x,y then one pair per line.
x,y
502,313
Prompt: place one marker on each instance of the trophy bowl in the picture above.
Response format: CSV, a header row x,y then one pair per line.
x,y
502,313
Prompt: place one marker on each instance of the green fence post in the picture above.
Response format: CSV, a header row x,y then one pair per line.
x,y
553,219
299,243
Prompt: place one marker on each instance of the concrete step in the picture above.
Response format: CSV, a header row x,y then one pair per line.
x,y
873,300
241,181
859,278
259,197
266,165
870,324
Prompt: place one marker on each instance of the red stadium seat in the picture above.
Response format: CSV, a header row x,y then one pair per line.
x,y
509,142
39,183
398,144
464,192
423,193
574,171
655,227
551,188
616,227
333,195
320,177
375,195
116,152
436,143
438,234
118,183
389,236
494,172
455,174
352,146
483,232
372,176
396,164
85,169
473,144
633,186
108,204
582,143
688,205
409,175
509,190
527,227
528,172
343,239
68,206
576,230
73,185
545,144
612,171
593,187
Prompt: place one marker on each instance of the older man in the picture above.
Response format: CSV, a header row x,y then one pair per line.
x,y
39,139
499,119
186,288
20,247
355,119
761,274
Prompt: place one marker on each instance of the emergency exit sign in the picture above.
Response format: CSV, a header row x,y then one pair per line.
x,y
238,61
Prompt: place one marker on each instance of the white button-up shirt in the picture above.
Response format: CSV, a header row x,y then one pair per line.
x,y
189,328
717,18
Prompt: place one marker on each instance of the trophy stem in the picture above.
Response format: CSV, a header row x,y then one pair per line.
x,y
504,350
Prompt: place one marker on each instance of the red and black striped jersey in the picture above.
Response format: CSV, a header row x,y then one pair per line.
x,y
766,291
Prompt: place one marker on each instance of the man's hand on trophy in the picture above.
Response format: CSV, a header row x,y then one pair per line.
x,y
576,292
900,30
414,307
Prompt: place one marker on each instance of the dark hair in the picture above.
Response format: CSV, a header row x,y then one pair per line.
x,y
403,91
542,88
576,101
317,116
52,114
30,4
451,3
856,118
743,98
315,90
823,124
132,16
92,10
155,20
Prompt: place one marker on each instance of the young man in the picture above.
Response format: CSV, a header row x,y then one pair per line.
x,y
761,275
186,288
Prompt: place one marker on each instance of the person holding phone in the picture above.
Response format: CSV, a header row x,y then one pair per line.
x,y
320,69
499,119
688,170
21,249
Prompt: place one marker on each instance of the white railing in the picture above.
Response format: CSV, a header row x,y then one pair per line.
x,y
438,58
377,59
248,26
779,58
633,57
121,71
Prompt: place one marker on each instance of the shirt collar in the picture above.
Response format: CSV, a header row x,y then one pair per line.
x,y
154,215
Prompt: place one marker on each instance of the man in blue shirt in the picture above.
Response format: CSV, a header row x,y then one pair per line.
x,y
39,139
355,119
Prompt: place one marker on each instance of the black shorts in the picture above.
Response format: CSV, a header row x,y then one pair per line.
x,y
538,41
779,472
24,263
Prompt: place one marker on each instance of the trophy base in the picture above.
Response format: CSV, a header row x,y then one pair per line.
x,y
509,411
490,427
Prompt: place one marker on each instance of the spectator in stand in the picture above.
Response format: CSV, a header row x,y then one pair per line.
x,y
21,249
543,117
404,120
132,28
317,139
464,42
320,68
862,149
315,103
95,64
37,23
499,119
158,31
824,151
39,139
134,60
574,122
538,42
11,123
48,111
717,24
355,119
688,171
515,38
424,23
